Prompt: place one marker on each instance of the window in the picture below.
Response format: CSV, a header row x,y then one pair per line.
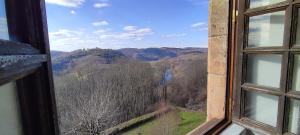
x,y
267,85
10,123
129,67
26,95
9,105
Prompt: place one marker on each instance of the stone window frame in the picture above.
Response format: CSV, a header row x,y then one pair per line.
x,y
221,67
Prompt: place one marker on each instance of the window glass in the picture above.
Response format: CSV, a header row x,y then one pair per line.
x,y
298,30
10,123
258,3
233,129
294,117
264,70
266,30
261,107
296,74
3,22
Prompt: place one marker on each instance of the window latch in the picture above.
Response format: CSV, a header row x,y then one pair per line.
x,y
234,15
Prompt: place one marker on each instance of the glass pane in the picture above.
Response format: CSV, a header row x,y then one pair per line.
x,y
266,30
3,22
233,129
296,73
10,123
261,107
294,117
258,3
264,70
298,30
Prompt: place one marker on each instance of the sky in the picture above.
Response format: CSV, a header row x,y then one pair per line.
x,y
3,22
115,24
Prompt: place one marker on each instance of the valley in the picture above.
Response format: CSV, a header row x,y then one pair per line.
x,y
98,88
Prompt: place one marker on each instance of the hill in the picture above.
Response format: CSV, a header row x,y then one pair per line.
x,y
180,64
187,87
66,62
155,54
79,59
133,81
56,54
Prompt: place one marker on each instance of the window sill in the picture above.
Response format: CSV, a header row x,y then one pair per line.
x,y
209,127
257,128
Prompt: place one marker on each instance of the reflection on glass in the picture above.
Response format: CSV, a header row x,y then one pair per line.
x,y
264,70
258,3
294,117
3,22
266,30
261,107
298,30
296,73
10,123
233,129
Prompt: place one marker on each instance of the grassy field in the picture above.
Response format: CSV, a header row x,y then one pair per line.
x,y
176,122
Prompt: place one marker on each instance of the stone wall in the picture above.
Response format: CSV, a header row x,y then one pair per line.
x,y
217,58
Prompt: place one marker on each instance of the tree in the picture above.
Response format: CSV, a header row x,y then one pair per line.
x,y
94,100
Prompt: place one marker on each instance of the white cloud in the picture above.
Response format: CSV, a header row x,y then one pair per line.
x,y
129,28
73,12
100,23
176,35
69,40
101,5
65,38
64,33
128,33
101,31
198,24
66,3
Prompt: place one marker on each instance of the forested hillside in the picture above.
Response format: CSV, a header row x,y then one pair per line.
x,y
100,88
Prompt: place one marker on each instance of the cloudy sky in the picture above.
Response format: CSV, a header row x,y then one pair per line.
x,y
76,24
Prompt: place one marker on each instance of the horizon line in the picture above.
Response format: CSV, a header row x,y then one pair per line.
x,y
129,48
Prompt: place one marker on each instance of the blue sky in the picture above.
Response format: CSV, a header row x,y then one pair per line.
x,y
3,22
114,24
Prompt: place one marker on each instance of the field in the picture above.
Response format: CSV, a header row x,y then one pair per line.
x,y
177,122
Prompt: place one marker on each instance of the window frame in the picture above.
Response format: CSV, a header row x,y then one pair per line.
x,y
216,126
35,85
288,50
25,58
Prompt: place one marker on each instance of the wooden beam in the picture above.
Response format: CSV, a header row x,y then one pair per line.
x,y
16,48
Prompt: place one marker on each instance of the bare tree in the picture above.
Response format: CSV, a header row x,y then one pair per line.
x,y
189,89
95,100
